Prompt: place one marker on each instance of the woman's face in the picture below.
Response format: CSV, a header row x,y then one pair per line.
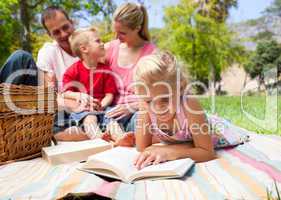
x,y
124,33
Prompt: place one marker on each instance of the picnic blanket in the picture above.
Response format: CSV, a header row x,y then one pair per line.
x,y
247,171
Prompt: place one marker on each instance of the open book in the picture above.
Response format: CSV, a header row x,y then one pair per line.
x,y
66,152
118,163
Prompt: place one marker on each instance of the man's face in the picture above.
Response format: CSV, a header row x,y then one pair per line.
x,y
60,28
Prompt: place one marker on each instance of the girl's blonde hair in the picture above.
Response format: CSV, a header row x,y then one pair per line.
x,y
160,66
133,15
80,37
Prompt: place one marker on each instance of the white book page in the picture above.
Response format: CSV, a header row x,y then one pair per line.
x,y
119,158
175,168
121,161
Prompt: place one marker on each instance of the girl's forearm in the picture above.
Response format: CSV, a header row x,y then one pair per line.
x,y
142,141
187,150
143,134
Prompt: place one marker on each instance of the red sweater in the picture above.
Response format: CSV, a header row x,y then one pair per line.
x,y
96,83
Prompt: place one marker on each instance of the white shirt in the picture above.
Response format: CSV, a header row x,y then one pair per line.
x,y
53,59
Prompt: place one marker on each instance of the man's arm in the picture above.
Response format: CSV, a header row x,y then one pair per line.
x,y
47,79
72,95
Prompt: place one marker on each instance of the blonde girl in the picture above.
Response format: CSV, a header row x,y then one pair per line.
x,y
168,115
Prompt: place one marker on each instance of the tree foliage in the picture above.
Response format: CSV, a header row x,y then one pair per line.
x,y
264,35
20,20
274,8
216,9
8,28
201,41
266,57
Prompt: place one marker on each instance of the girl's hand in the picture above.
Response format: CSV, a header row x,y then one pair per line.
x,y
152,155
120,111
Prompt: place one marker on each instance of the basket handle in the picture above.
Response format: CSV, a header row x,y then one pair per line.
x,y
54,140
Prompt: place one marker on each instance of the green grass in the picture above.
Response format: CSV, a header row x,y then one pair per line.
x,y
229,107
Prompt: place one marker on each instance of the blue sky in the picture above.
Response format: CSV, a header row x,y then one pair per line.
x,y
247,9
155,10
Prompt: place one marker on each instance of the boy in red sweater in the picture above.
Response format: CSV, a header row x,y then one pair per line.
x,y
88,81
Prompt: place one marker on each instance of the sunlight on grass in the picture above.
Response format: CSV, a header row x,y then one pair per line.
x,y
229,107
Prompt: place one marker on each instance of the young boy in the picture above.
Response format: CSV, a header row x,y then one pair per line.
x,y
88,81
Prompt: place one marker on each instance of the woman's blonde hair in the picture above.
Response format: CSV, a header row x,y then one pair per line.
x,y
160,66
80,37
133,15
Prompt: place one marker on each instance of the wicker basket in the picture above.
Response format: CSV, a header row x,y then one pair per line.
x,y
22,135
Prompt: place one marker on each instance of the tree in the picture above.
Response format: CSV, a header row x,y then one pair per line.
x,y
274,8
9,28
200,41
104,29
216,9
267,56
155,35
264,35
21,18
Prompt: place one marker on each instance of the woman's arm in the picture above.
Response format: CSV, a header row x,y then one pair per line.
x,y
72,95
107,100
66,104
77,102
122,110
47,79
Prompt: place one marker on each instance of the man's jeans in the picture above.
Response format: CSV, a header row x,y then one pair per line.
x,y
20,68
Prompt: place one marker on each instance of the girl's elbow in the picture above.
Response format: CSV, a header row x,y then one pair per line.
x,y
207,155
211,155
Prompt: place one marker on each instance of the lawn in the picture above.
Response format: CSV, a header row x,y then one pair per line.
x,y
230,108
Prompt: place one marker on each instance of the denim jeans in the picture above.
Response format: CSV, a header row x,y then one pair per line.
x,y
20,68
128,123
63,121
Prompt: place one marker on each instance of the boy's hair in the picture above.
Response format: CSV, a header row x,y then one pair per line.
x,y
160,66
80,37
49,13
133,15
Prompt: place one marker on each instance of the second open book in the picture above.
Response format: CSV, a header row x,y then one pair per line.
x,y
118,163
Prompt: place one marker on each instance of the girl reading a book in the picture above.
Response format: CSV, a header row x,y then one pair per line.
x,y
168,115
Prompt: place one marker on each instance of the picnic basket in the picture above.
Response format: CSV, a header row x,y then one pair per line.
x,y
26,121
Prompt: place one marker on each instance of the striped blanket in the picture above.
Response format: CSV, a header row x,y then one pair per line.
x,y
246,172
